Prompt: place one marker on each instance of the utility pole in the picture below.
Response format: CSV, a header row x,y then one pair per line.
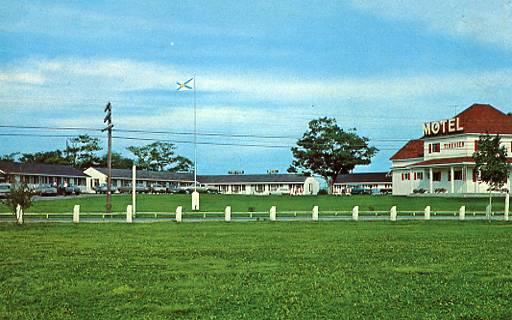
x,y
108,121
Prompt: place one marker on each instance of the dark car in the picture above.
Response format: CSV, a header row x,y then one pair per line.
x,y
103,188
68,190
45,190
138,188
5,189
360,190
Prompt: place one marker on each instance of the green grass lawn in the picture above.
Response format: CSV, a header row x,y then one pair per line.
x,y
260,270
168,203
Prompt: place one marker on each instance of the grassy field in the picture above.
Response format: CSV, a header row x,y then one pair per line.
x,y
260,270
168,203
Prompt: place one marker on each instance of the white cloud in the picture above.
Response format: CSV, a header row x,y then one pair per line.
x,y
485,21
71,82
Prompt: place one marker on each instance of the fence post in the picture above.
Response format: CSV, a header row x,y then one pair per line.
x,y
179,213
273,213
355,213
227,214
392,213
129,213
507,206
427,213
315,213
462,213
76,213
19,214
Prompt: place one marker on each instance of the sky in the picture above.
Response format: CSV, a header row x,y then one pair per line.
x,y
263,70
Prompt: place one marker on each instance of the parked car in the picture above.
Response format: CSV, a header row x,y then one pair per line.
x,y
68,190
158,188
201,188
5,190
360,190
103,188
138,188
45,190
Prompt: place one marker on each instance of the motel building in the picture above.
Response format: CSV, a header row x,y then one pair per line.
x,y
263,184
378,182
257,184
441,161
123,177
34,174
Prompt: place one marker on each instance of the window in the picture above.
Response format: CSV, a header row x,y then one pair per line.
x,y
436,176
436,147
273,187
418,176
457,175
260,188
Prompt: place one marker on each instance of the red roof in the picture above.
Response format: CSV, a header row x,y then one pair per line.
x,y
412,149
484,118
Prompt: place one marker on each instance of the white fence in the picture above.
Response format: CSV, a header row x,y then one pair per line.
x,y
315,214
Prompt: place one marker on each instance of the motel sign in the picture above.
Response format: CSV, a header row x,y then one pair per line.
x,y
442,127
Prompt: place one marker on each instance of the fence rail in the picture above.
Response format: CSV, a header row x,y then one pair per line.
x,y
273,215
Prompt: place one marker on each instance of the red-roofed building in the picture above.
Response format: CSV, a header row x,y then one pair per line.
x,y
441,161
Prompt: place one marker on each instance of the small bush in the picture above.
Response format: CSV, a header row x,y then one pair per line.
x,y
19,195
371,208
322,192
251,209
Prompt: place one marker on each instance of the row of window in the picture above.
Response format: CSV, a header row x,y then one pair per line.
x,y
458,175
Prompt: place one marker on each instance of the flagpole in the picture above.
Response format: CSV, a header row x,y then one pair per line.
x,y
195,137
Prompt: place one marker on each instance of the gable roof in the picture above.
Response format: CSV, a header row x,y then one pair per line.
x,y
252,178
369,177
148,175
412,149
484,118
10,167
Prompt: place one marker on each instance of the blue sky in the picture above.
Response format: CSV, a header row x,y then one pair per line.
x,y
262,68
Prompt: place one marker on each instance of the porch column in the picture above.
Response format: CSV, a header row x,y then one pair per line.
x,y
452,181
431,180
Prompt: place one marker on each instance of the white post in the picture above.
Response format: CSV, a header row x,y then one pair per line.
x,y
392,213
355,213
427,213
315,213
462,213
129,213
195,201
19,214
431,180
507,206
452,180
76,213
134,190
179,213
273,213
227,214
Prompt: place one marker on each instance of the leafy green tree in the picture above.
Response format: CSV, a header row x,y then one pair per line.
x,y
9,157
81,151
182,165
491,161
49,157
328,150
118,161
159,156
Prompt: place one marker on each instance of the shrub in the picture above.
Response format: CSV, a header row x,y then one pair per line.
x,y
322,192
251,209
19,195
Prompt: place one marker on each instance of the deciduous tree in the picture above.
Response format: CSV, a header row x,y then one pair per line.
x,y
328,150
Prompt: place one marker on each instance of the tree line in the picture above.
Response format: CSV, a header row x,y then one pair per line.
x,y
84,151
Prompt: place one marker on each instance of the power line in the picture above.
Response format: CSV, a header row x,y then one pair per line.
x,y
205,134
